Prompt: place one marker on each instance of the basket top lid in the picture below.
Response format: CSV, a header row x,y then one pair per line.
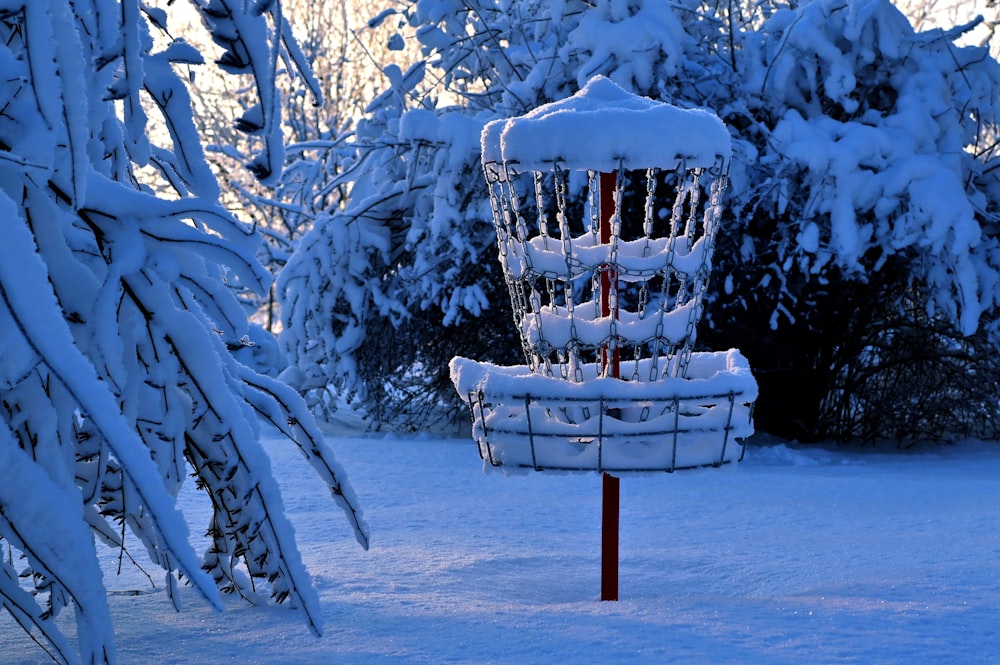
x,y
603,127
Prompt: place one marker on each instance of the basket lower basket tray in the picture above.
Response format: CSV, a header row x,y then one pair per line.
x,y
546,424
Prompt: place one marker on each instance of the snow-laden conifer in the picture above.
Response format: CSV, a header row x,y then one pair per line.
x,y
117,321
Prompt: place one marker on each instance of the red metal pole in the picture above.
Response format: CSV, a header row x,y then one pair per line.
x,y
609,536
609,278
610,484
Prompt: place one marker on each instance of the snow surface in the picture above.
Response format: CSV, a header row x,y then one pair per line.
x,y
797,555
603,127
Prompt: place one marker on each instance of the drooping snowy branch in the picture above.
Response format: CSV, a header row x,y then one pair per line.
x,y
117,322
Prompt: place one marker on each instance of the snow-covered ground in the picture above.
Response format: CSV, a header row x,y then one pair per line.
x,y
796,556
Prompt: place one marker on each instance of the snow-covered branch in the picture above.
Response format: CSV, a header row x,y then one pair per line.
x,y
117,321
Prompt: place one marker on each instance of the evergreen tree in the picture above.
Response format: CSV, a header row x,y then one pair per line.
x,y
117,323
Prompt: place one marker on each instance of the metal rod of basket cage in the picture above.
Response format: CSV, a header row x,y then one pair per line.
x,y
601,411
677,417
531,431
729,427
482,419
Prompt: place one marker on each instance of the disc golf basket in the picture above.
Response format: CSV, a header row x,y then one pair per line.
x,y
606,207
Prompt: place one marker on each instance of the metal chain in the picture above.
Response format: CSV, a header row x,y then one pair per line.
x,y
593,206
634,294
613,263
649,213
643,298
694,191
543,220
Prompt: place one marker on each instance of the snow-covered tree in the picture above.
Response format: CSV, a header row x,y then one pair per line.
x,y
117,323
929,14
867,252
343,51
863,198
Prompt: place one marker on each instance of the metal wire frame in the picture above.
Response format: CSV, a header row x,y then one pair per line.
x,y
535,221
607,408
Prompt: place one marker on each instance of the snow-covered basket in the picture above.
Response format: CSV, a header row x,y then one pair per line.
x,y
522,419
606,207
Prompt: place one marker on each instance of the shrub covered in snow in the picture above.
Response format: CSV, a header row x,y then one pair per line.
x,y
116,321
341,53
863,267
858,250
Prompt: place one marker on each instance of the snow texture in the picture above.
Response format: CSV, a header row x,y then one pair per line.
x,y
894,166
602,127
800,554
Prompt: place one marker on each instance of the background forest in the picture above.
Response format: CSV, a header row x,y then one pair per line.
x,y
858,256
857,259
146,148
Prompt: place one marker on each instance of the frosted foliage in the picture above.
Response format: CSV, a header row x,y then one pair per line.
x,y
117,380
859,147
891,167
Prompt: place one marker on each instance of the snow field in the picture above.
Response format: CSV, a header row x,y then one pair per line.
x,y
796,555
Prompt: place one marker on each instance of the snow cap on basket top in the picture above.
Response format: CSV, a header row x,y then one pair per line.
x,y
603,127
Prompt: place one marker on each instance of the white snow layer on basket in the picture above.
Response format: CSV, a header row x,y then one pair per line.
x,y
634,259
603,127
558,328
709,373
661,425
